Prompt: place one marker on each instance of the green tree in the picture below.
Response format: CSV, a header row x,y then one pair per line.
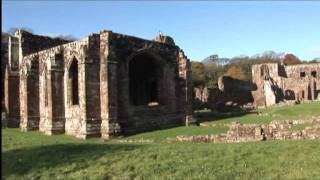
x,y
198,74
290,59
236,72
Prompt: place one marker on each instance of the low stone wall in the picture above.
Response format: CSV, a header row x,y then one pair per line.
x,y
276,130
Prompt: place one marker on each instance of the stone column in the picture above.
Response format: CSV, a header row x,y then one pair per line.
x,y
92,83
29,102
55,120
11,83
186,85
11,98
108,89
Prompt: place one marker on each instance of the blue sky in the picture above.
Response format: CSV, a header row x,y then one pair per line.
x,y
200,28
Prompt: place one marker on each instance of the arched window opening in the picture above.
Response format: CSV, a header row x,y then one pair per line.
x,y
73,77
264,71
45,79
144,75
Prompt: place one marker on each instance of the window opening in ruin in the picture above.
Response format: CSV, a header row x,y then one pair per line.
x,y
314,74
73,77
264,71
143,80
302,74
45,90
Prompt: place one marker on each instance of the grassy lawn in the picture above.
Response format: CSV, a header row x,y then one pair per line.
x,y
33,155
266,115
161,135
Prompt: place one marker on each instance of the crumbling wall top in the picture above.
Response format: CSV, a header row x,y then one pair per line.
x,y
31,43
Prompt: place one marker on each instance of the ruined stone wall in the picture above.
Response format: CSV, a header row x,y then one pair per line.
x,y
29,93
267,79
92,80
122,49
12,97
53,87
11,80
231,94
18,46
279,83
305,87
82,87
185,87
76,114
51,91
276,130
31,43
4,63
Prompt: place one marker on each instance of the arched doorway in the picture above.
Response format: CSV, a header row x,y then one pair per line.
x,y
145,73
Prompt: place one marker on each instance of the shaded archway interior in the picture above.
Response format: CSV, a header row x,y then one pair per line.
x,y
73,77
144,77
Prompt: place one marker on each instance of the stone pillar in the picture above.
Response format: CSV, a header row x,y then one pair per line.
x,y
55,115
108,89
4,63
11,84
92,85
29,101
11,98
186,85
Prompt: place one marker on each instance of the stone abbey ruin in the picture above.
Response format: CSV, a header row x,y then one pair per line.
x,y
272,83
104,85
113,84
276,83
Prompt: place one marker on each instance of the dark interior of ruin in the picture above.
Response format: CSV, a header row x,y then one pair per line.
x,y
73,76
143,77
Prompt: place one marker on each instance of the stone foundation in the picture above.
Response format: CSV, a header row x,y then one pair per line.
x,y
276,130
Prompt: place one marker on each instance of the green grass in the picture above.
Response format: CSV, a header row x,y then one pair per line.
x,y
301,127
33,155
161,135
269,114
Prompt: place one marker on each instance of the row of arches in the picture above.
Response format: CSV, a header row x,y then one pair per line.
x,y
144,71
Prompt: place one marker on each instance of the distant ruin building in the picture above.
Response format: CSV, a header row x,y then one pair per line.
x,y
231,94
276,83
271,84
104,85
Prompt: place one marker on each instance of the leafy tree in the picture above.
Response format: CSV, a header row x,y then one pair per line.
x,y
236,72
290,59
198,74
212,73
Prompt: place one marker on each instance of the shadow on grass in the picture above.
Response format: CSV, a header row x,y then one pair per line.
x,y
215,116
24,160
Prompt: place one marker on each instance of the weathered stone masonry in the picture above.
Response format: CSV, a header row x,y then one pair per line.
x,y
276,83
105,84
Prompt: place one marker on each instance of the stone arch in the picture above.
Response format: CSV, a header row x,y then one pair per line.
x,y
145,74
73,77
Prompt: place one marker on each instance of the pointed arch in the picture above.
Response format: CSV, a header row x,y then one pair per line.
x,y
74,81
